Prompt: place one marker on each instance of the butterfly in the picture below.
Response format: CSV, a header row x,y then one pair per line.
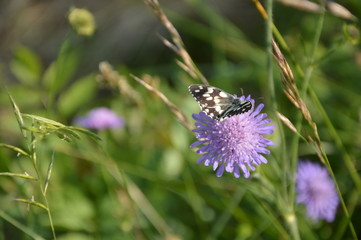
x,y
217,103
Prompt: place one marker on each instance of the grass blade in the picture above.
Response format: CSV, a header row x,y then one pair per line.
x,y
20,175
44,120
18,115
30,202
16,149
48,174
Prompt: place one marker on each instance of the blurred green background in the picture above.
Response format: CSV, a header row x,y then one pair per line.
x,y
141,181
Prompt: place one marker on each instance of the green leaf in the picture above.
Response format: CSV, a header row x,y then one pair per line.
x,y
18,115
81,92
66,64
16,149
26,66
86,132
20,175
37,204
67,133
49,75
33,97
44,120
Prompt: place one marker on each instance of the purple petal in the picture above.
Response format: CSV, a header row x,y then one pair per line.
x,y
236,143
220,171
196,143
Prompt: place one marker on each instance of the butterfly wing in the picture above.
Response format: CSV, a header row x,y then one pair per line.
x,y
213,101
237,107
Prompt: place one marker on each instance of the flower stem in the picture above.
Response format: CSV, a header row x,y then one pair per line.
x,y
292,224
34,160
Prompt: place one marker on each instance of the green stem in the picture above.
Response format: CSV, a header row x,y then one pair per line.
x,y
306,81
290,217
50,217
40,180
348,161
310,67
327,163
292,223
269,38
315,99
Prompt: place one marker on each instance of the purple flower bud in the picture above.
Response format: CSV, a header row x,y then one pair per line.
x,y
316,190
100,118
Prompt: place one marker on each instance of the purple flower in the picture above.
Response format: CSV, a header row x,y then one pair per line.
x,y
100,118
316,190
234,143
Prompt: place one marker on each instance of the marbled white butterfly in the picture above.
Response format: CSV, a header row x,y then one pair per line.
x,y
217,103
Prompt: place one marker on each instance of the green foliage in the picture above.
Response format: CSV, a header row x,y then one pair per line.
x,y
64,68
26,66
141,181
70,101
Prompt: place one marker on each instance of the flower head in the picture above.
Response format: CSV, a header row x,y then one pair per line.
x,y
234,143
82,21
316,190
100,118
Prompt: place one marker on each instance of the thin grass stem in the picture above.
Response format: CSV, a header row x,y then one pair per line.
x,y
39,177
290,217
327,163
305,87
307,77
348,161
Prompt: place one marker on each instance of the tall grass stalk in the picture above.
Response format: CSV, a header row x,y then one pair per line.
x,y
33,156
288,173
39,128
348,161
305,87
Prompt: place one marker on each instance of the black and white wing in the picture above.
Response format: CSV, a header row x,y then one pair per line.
x,y
217,103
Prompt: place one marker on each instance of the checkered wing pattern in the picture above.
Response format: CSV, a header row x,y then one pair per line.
x,y
217,103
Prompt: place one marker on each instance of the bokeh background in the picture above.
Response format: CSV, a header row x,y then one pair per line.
x,y
141,181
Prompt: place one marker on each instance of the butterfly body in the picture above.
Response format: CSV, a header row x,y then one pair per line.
x,y
217,103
